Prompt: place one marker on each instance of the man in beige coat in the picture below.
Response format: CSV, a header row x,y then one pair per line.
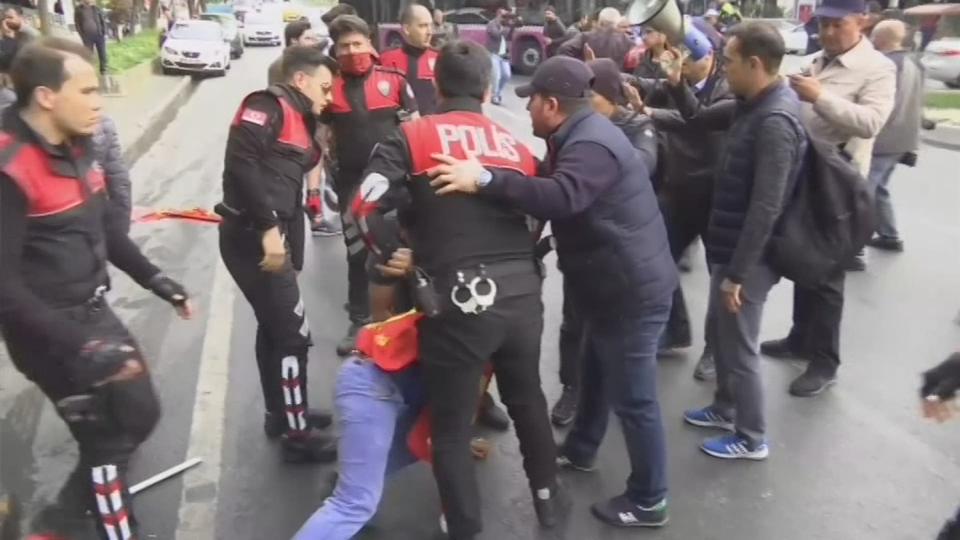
x,y
848,93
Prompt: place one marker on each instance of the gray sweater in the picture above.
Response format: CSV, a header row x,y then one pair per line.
x,y
901,133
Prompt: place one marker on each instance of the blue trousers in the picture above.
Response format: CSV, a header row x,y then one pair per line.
x,y
501,75
620,373
376,411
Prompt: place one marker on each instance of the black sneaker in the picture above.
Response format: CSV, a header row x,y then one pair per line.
x,y
780,348
674,343
275,424
565,409
811,383
312,447
349,342
886,244
492,415
621,512
565,462
706,369
550,504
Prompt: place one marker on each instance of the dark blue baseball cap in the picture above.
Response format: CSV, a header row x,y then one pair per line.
x,y
838,9
561,76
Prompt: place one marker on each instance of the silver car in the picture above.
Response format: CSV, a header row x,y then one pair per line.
x,y
941,59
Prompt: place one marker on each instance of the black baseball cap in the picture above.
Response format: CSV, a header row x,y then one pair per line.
x,y
561,76
607,81
838,9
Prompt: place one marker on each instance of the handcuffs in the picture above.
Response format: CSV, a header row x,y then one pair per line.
x,y
475,297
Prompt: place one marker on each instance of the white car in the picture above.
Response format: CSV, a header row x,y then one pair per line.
x,y
196,47
941,60
795,39
261,29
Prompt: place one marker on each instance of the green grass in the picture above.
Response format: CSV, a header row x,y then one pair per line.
x,y
943,100
133,50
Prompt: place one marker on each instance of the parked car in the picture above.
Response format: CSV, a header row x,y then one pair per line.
x,y
262,29
941,58
292,13
231,31
527,48
195,47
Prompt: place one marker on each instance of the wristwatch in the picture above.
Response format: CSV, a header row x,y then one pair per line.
x,y
484,179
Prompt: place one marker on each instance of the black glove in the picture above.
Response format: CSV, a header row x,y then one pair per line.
x,y
99,360
168,289
943,381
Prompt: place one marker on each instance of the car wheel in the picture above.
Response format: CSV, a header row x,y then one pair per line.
x,y
953,84
531,54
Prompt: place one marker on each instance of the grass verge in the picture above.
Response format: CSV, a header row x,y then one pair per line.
x,y
943,100
133,50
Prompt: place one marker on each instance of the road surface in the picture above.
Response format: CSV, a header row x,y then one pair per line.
x,y
854,463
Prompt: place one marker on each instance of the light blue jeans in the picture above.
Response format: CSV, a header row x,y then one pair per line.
x,y
501,75
376,411
881,169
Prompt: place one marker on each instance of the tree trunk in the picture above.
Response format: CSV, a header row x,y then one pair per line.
x,y
43,9
154,13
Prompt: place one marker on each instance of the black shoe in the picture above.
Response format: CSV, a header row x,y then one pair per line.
x,y
621,512
675,342
886,244
706,369
312,447
275,424
551,505
856,264
780,348
811,383
566,407
565,462
491,415
349,342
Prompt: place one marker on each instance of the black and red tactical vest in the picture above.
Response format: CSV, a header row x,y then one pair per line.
x,y
452,232
64,257
417,65
293,154
364,111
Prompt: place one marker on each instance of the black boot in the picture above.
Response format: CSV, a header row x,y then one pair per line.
x,y
491,415
309,447
275,424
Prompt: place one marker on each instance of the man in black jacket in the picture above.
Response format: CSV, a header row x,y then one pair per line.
x,y
270,147
57,236
612,248
691,155
92,26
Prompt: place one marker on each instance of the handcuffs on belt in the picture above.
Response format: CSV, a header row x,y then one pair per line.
x,y
476,296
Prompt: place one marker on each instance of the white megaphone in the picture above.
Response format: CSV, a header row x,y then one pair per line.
x,y
665,16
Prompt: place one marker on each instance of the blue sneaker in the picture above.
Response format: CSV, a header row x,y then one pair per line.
x,y
708,417
734,446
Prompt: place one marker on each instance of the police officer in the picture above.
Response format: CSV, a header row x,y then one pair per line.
x,y
415,59
269,149
479,256
57,234
368,104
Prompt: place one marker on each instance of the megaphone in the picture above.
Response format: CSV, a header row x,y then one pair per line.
x,y
665,16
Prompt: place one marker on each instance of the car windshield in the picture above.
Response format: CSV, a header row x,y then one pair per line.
x,y
200,32
257,18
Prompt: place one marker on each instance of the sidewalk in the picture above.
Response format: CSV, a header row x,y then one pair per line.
x,y
947,134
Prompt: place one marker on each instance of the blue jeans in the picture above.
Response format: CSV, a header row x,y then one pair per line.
x,y
501,75
881,169
620,370
376,411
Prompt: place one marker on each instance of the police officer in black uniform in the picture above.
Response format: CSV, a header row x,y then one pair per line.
x,y
57,235
415,58
368,104
479,256
269,149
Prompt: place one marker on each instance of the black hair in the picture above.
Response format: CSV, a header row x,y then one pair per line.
x,y
306,59
294,30
348,24
406,16
41,63
463,70
336,11
761,40
569,105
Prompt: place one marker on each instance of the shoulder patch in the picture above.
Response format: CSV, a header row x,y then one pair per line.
x,y
253,116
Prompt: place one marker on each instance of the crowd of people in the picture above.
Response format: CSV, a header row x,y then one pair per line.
x,y
443,215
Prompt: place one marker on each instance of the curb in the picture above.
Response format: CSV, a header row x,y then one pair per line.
x,y
158,119
936,138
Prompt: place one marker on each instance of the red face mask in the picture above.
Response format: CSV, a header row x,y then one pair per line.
x,y
355,63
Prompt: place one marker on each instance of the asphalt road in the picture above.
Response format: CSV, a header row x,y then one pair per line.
x,y
854,463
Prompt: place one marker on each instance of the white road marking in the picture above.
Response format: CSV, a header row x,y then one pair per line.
x,y
201,487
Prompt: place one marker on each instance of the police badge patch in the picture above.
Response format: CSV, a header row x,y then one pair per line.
x,y
384,88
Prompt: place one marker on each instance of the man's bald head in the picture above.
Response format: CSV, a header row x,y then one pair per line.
x,y
417,25
609,17
889,35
